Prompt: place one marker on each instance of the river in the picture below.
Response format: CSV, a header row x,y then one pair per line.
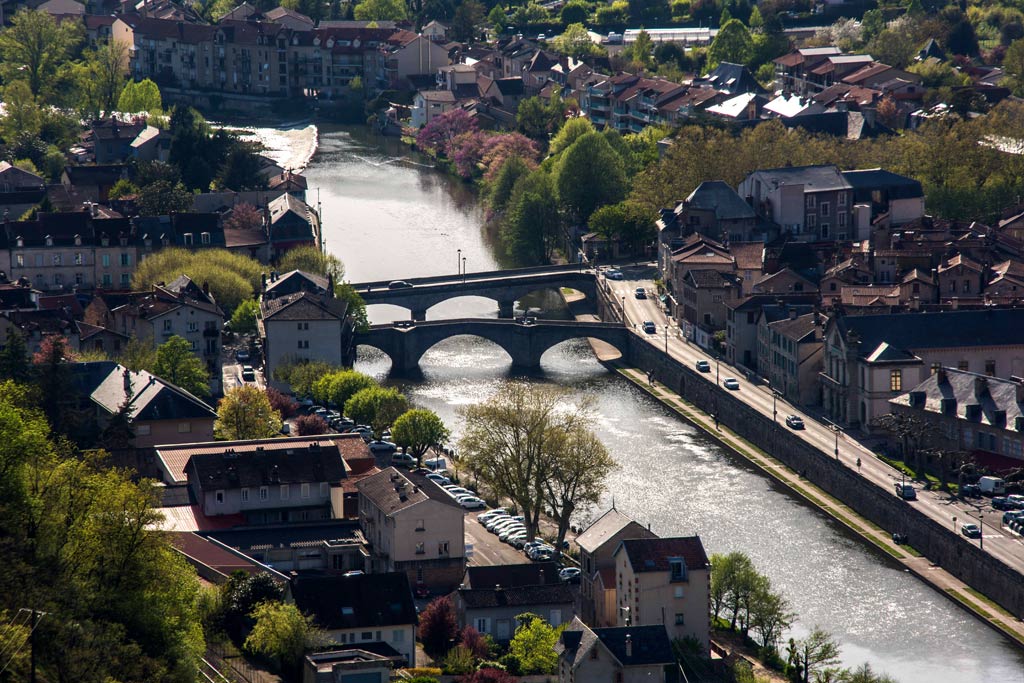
x,y
390,216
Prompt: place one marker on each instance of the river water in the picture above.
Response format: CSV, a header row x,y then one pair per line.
x,y
389,216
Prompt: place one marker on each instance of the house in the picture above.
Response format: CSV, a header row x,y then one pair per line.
x,y
809,202
216,562
436,31
597,545
695,253
511,575
361,609
869,359
304,325
14,179
413,526
160,412
706,293
792,71
744,316
664,582
633,654
93,183
790,355
110,140
409,54
493,611
353,664
327,545
731,79
268,483
969,412
429,104
961,276
292,223
715,210
785,281
885,192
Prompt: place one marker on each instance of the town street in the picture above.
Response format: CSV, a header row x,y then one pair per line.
x,y
939,506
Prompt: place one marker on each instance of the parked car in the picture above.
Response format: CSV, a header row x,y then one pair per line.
x,y
1012,516
504,524
383,447
493,522
905,491
543,555
484,516
439,479
456,491
731,384
1000,503
970,530
539,549
569,573
286,429
472,503
402,460
511,531
531,546
399,284
970,491
421,591
641,293
794,422
248,374
1016,500
242,356
613,274
703,366
649,327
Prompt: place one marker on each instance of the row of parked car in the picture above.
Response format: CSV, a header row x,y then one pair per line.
x,y
463,496
511,529
1011,502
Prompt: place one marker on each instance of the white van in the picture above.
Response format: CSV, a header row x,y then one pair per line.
x,y
403,460
435,464
992,486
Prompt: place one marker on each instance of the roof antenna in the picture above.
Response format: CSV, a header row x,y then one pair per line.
x,y
613,502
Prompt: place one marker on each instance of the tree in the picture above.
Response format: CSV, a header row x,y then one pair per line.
x,y
240,596
770,615
871,25
303,375
310,425
35,46
489,675
101,77
732,44
123,188
282,403
138,354
575,41
378,407
574,12
281,632
532,221
356,305
14,363
511,441
480,646
243,320
499,191
468,16
241,169
497,19
310,259
641,50
573,130
962,39
816,655
381,10
139,97
864,674
437,135
534,646
438,627
163,198
649,12
23,117
1013,62
417,431
245,217
336,387
579,468
245,413
176,363
232,278
589,175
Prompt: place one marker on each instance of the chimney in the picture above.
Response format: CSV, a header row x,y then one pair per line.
x,y
263,282
206,287
127,382
980,387
792,314
629,646
1019,386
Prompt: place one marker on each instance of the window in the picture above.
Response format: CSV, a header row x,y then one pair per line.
x,y
106,279
39,260
264,492
58,279
990,368
556,617
58,260
916,288
420,549
482,623
20,260
126,280
952,286
366,635
167,326
420,526
677,569
679,592
825,208
303,343
841,199
811,201
824,229
305,490
398,636
78,258
812,221
184,427
245,495
285,492
963,365
205,237
895,380
303,326
79,279
220,496
936,367
679,619
967,286
325,489
188,239
126,259
841,219
832,286
193,327
442,548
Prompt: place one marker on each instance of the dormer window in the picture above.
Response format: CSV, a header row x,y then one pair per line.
x,y
188,239
676,569
205,237
49,241
78,240
20,241
124,241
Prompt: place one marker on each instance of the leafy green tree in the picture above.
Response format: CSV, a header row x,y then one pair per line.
x,y
569,133
1013,62
497,19
575,41
417,431
100,78
532,221
282,632
817,656
579,469
35,46
140,96
243,320
732,44
378,407
162,199
770,615
381,10
138,354
534,646
123,188
356,305
241,170
302,376
459,661
468,15
499,191
232,278
14,363
872,24
310,259
176,363
574,12
337,387
245,413
649,12
641,50
22,117
589,174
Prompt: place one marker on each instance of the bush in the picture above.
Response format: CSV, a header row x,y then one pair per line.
x,y
310,425
282,403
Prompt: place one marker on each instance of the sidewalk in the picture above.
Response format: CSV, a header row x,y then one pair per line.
x,y
956,590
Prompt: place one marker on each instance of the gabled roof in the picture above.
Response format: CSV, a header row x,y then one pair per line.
x,y
557,593
823,178
960,260
966,388
936,330
653,554
719,197
298,281
393,491
361,601
512,575
604,528
803,329
895,185
303,306
152,397
649,645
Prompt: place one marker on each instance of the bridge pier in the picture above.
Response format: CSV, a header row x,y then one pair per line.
x,y
506,309
419,315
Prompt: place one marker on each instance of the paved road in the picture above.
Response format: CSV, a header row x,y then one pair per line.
x,y
1000,542
487,549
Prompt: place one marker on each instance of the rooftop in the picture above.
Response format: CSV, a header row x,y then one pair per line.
x,y
936,330
558,593
361,601
393,491
822,178
604,528
512,575
653,554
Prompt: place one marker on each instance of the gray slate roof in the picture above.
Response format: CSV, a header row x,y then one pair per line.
x,y
362,601
606,526
385,490
823,178
228,470
521,596
936,330
996,395
512,575
650,644
719,197
152,398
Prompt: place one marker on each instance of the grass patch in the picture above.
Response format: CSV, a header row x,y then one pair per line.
x,y
919,475
988,601
977,609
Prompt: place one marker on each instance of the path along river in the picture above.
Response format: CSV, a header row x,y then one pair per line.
x,y
388,215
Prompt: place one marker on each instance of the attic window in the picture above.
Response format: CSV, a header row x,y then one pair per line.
x,y
188,239
78,240
677,569
347,611
49,241
205,237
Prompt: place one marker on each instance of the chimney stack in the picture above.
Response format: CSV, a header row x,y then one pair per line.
x,y
980,387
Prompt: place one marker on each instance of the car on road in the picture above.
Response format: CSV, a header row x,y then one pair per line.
x,y
472,503
794,422
613,274
731,384
641,293
703,366
569,574
970,530
242,356
403,460
378,446
905,491
399,284
248,374
649,327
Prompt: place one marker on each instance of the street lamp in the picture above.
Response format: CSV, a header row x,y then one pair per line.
x,y
626,610
835,428
718,369
666,339
458,260
775,413
463,270
981,527
954,523
624,321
